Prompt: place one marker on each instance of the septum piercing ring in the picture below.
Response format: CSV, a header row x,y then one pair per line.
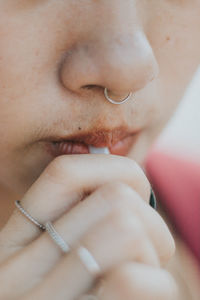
x,y
116,102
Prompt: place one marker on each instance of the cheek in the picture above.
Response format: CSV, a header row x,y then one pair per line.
x,y
28,65
19,54
28,72
173,31
33,40
176,39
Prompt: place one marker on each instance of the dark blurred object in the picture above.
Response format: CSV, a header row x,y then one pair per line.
x,y
152,200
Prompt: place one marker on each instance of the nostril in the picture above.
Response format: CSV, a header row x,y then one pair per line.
x,y
89,86
93,86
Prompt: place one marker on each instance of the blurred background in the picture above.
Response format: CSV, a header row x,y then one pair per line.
x,y
182,135
173,167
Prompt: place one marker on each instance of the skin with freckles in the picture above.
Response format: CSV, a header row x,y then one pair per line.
x,y
50,51
56,57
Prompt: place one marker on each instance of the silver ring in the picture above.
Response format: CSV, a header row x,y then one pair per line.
x,y
113,101
56,237
28,216
88,260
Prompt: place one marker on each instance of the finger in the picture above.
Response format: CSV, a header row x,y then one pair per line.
x,y
62,185
137,281
71,277
107,201
41,256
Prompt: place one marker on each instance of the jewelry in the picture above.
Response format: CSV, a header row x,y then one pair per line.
x,y
28,216
88,261
56,237
152,200
113,101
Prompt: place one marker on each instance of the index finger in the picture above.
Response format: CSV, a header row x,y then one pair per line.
x,y
64,182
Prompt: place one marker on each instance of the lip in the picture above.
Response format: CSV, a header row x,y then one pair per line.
x,y
118,142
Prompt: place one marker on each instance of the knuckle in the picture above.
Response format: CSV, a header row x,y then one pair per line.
x,y
122,274
134,279
169,252
59,161
159,230
60,169
141,179
172,248
123,190
168,284
168,247
119,280
117,193
56,165
128,226
120,189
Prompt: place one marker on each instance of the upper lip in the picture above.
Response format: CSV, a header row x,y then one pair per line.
x,y
97,138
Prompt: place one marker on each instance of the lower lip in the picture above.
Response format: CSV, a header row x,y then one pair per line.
x,y
120,148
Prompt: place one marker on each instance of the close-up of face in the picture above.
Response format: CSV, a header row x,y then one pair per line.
x,y
56,59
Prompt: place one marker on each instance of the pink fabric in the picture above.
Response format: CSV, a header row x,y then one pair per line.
x,y
176,183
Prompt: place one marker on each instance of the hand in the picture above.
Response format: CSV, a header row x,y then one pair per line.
x,y
114,222
135,281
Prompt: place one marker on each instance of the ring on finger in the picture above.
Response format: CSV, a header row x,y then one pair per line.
x,y
28,216
88,261
55,236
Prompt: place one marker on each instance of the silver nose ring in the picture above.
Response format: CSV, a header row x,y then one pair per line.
x,y
116,102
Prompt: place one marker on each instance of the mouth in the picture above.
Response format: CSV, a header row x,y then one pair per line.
x,y
119,142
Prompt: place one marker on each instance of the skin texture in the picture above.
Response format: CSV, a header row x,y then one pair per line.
x,y
51,51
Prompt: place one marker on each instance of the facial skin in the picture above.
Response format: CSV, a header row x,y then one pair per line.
x,y
51,50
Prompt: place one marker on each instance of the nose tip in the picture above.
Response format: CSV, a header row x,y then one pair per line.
x,y
122,67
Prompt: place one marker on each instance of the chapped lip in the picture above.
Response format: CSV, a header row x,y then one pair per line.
x,y
118,141
97,138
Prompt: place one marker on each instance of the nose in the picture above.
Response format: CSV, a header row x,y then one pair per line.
x,y
120,60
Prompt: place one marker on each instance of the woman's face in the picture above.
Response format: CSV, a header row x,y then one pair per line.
x,y
56,57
